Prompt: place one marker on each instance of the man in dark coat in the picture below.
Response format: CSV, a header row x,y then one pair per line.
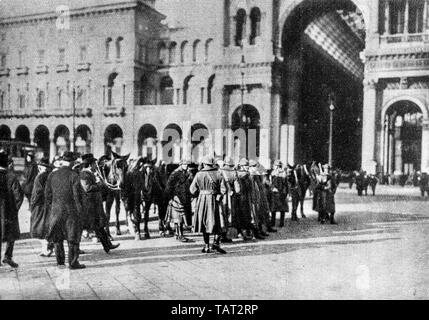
x,y
260,201
30,173
39,214
423,182
93,216
179,199
245,221
208,219
11,197
361,183
372,181
326,189
230,189
294,190
279,193
63,194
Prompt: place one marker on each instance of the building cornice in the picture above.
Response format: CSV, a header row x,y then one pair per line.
x,y
79,12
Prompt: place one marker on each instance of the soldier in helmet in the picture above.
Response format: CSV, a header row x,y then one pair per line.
x,y
208,219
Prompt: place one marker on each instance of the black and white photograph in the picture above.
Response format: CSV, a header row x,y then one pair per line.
x,y
214,150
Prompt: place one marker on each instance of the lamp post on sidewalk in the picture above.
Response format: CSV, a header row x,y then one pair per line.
x,y
243,117
331,121
74,120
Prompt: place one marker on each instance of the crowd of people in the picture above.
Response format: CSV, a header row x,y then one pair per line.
x,y
71,198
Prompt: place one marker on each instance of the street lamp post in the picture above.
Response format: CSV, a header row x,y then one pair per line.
x,y
331,120
74,120
243,120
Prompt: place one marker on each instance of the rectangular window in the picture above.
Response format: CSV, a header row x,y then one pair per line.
x,y
20,59
177,96
82,54
202,96
3,61
41,57
61,56
21,101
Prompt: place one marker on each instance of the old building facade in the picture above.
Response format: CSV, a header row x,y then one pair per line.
x,y
181,78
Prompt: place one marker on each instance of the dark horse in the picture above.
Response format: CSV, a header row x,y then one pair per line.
x,y
113,169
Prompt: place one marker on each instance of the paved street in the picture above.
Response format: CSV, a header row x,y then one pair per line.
x,y
379,250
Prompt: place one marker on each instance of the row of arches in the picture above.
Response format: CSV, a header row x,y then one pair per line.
x,y
147,94
197,52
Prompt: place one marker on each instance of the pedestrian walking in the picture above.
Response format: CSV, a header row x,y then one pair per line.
x,y
208,219
11,198
93,216
30,173
38,208
63,195
372,181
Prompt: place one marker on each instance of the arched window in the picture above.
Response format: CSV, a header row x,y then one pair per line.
x,y
183,51
21,100
162,53
167,90
209,89
118,47
80,98
255,24
40,99
185,89
240,26
172,53
110,85
60,98
208,50
108,43
196,55
2,100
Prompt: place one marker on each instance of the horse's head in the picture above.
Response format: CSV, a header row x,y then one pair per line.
x,y
115,168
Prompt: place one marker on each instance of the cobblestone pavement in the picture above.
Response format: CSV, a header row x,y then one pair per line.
x,y
379,250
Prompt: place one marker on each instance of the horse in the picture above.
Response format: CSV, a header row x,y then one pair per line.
x,y
112,169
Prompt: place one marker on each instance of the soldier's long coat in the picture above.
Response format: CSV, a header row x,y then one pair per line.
x,y
230,189
177,192
260,200
39,214
63,194
244,212
325,200
93,215
279,191
30,173
207,218
11,197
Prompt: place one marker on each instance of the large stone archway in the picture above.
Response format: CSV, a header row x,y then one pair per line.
x,y
322,45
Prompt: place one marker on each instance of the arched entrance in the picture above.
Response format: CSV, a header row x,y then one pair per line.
x,y
41,139
22,134
5,133
402,137
245,124
62,139
83,140
147,140
113,139
200,141
172,143
322,42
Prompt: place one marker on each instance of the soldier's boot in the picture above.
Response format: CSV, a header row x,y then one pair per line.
x,y
294,216
224,238
216,244
273,219
302,211
104,239
256,233
137,235
146,229
282,219
332,220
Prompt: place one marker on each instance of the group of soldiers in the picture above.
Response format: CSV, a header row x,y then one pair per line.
x,y
216,198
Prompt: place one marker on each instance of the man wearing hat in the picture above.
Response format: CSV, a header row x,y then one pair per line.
x,y
294,190
30,173
279,193
230,189
325,204
208,219
11,197
63,196
39,213
93,216
179,199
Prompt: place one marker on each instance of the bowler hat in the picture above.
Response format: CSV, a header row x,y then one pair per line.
x,y
68,156
88,158
3,159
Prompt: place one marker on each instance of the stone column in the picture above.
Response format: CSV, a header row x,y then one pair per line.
x,y
398,151
368,126
406,16
425,15
425,146
186,140
52,149
275,118
387,17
